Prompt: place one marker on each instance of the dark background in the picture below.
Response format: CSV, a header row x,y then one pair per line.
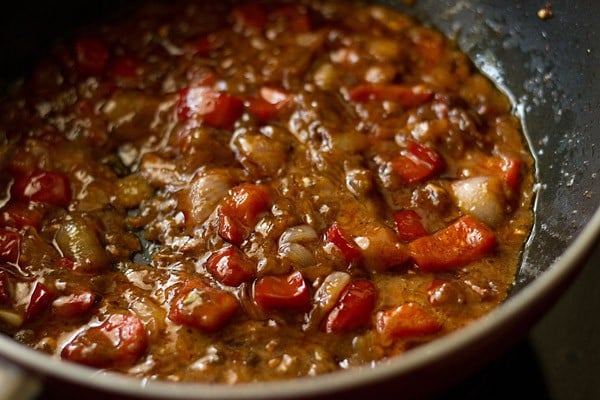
x,y
558,360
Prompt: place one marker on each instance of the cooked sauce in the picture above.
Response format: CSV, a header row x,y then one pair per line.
x,y
256,191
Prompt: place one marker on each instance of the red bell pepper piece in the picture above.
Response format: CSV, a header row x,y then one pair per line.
x,y
119,340
66,263
464,241
239,212
126,67
296,17
202,45
406,96
511,168
418,164
269,104
250,15
230,266
261,109
49,187
282,292
91,55
202,307
213,107
10,246
340,239
508,167
430,46
407,320
40,299
19,215
409,225
353,309
73,305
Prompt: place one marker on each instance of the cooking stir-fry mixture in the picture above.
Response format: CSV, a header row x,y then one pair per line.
x,y
234,192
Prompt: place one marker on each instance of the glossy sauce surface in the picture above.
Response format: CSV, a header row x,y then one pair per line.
x,y
255,191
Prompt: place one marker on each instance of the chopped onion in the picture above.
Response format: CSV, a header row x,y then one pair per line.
x,y
129,111
298,234
297,254
383,49
260,153
330,290
290,247
327,295
380,246
383,73
151,315
359,181
132,190
203,195
78,241
325,76
350,142
11,318
481,197
158,171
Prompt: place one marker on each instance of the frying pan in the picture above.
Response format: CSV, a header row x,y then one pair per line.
x,y
549,67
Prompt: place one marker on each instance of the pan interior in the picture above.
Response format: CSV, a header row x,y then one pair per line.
x,y
535,62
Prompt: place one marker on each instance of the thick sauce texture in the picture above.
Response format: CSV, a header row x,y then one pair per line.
x,y
234,192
